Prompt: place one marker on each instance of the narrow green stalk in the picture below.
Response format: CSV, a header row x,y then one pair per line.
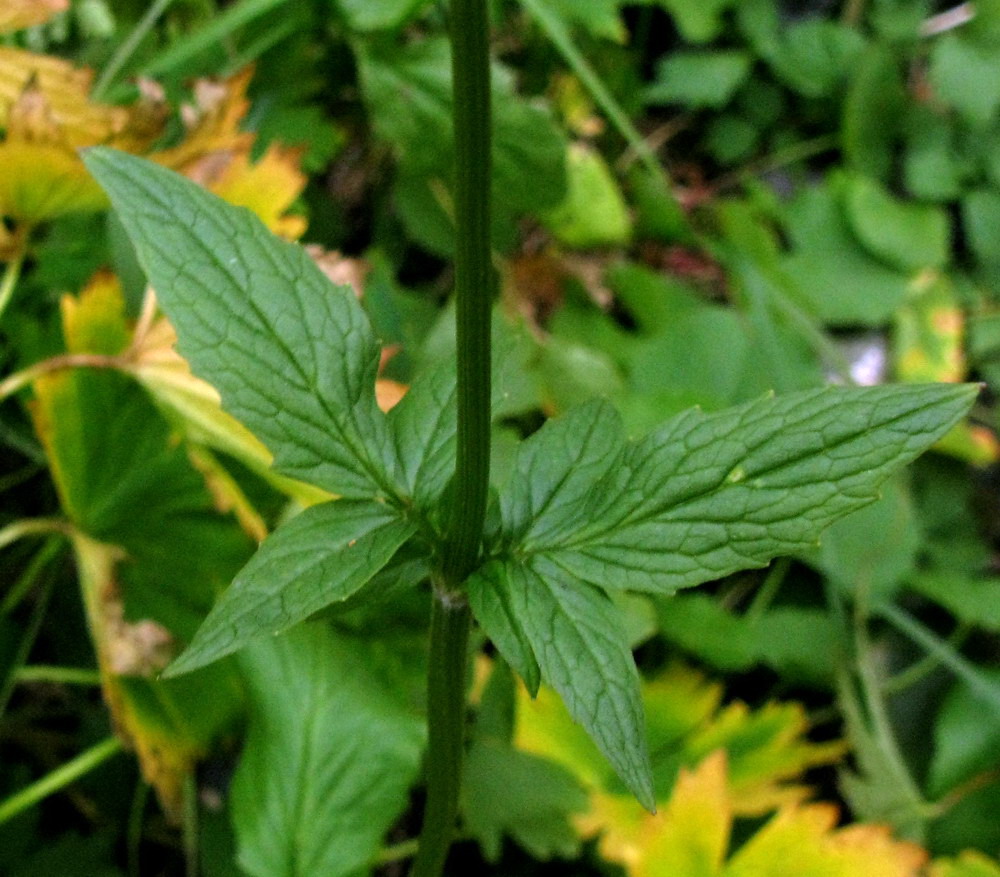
x,y
451,617
9,280
406,849
883,734
27,642
473,285
31,527
128,46
58,675
926,665
561,39
22,587
61,777
984,688
450,623
769,589
221,26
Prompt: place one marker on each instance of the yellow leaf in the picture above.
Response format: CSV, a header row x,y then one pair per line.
x,y
691,835
971,443
47,115
213,129
929,331
40,182
65,90
767,748
779,752
268,188
801,840
94,321
146,713
19,14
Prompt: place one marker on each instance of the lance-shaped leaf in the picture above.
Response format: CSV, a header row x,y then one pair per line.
x,y
575,634
706,495
293,357
322,556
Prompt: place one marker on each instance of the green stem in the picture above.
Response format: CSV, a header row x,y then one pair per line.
x,y
127,48
58,675
59,778
987,691
926,665
20,589
450,623
11,275
451,617
31,527
563,42
769,589
881,728
133,832
473,286
27,642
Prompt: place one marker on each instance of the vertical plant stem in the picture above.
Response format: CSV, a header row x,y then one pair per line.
x,y
450,617
450,624
473,284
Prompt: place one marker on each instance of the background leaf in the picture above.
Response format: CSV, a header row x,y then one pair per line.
x,y
331,752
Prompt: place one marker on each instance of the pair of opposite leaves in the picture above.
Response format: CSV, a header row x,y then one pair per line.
x,y
585,509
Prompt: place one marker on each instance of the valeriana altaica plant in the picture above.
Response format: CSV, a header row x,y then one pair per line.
x,y
586,510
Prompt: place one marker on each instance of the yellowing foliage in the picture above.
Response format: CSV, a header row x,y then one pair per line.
x,y
19,14
691,835
48,115
685,722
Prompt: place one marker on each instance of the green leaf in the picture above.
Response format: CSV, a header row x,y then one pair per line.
x,y
408,94
599,17
424,426
842,282
698,21
378,14
959,752
908,236
329,757
576,636
966,75
706,495
323,555
594,213
508,792
798,643
970,863
873,108
980,221
293,357
854,561
557,471
699,79
970,599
